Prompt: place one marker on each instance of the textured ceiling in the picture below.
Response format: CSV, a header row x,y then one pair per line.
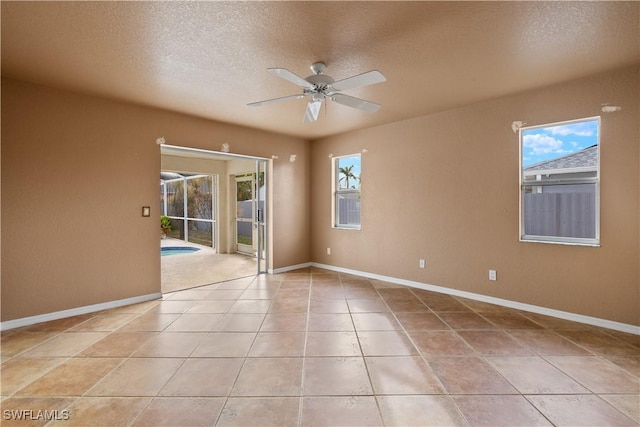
x,y
209,59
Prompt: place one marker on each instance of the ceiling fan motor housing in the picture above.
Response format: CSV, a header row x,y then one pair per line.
x,y
321,82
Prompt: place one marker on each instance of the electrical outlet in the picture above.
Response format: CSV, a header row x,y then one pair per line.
x,y
328,251
493,275
421,263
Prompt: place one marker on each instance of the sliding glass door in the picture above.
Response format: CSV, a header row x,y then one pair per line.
x,y
251,214
261,215
245,207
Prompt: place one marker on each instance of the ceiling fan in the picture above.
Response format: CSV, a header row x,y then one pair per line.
x,y
320,86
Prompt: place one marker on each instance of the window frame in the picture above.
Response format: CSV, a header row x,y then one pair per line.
x,y
336,192
576,241
185,218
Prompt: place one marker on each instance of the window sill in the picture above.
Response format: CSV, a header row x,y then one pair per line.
x,y
341,227
594,244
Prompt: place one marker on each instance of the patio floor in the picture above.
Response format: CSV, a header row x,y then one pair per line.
x,y
203,267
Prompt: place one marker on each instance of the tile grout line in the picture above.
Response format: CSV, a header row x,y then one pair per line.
x,y
525,396
304,351
482,357
244,361
364,360
446,393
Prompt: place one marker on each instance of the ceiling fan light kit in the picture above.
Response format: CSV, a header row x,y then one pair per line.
x,y
320,87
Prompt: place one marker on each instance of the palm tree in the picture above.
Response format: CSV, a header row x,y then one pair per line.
x,y
347,174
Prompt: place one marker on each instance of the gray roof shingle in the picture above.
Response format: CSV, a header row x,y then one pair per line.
x,y
583,158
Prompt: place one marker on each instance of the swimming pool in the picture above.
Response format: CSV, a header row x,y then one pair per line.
x,y
177,250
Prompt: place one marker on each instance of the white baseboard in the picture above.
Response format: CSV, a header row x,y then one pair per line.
x,y
290,268
26,321
609,324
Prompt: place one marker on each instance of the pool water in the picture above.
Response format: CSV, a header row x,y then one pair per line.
x,y
177,250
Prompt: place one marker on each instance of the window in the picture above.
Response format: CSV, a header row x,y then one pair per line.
x,y
559,178
346,190
189,201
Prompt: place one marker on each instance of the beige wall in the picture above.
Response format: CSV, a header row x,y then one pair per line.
x,y
76,171
444,188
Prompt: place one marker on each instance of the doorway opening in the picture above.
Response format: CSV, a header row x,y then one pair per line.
x,y
217,207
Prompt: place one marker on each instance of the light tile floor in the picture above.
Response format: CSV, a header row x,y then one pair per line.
x,y
314,347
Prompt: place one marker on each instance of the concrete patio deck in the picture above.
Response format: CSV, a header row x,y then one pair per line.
x,y
200,268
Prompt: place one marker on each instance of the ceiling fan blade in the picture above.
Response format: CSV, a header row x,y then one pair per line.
x,y
288,75
274,100
313,109
364,79
353,102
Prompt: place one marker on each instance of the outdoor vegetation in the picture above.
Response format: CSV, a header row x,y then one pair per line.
x,y
347,176
199,209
